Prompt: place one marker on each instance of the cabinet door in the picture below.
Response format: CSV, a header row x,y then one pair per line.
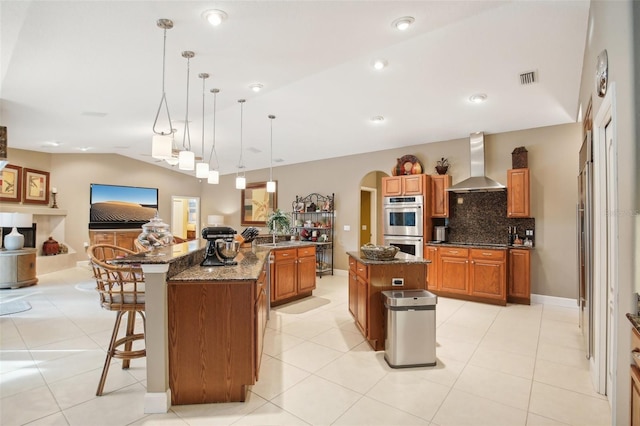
x,y
635,396
102,237
306,274
285,275
519,288
353,294
261,324
431,253
126,239
361,318
487,274
518,204
439,195
453,274
413,184
392,185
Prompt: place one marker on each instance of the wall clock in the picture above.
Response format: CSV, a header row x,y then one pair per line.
x,y
602,73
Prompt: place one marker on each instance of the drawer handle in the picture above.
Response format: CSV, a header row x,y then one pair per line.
x,y
453,251
285,254
487,254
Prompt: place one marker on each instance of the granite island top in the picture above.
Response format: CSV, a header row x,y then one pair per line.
x,y
400,257
250,264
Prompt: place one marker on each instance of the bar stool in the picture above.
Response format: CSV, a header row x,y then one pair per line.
x,y
121,289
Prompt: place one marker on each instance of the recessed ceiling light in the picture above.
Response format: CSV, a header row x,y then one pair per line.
x,y
256,87
377,119
379,64
478,98
51,143
214,16
84,148
403,23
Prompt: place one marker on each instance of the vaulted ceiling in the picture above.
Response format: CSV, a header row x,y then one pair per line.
x,y
86,76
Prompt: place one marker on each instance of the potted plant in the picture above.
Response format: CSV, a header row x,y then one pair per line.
x,y
278,222
442,165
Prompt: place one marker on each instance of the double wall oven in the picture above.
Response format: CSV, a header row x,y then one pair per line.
x,y
403,223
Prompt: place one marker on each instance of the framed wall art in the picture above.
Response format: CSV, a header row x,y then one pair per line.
x,y
257,204
11,183
35,187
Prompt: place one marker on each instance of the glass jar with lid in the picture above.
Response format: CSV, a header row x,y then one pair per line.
x,y
155,233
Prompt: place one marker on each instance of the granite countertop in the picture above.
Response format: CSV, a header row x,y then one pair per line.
x,y
479,245
399,258
250,263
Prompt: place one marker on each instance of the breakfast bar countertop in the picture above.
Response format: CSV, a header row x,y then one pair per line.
x,y
400,257
478,245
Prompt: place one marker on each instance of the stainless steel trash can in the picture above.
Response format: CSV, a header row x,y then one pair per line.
x,y
411,328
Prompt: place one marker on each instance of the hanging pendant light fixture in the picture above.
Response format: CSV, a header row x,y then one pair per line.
x,y
186,158
271,185
162,142
202,168
241,181
214,175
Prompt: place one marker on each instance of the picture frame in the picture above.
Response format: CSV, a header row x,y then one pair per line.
x,y
256,204
35,186
11,183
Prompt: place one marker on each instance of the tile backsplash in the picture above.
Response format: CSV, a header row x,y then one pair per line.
x,y
481,217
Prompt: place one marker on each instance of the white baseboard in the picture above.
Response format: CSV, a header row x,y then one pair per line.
x,y
157,402
565,302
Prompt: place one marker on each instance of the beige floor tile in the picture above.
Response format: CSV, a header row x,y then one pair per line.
x,y
518,343
276,342
24,407
20,380
166,419
269,415
499,387
565,377
462,408
43,332
15,359
338,339
353,372
218,414
454,349
309,356
464,333
370,412
446,371
56,419
63,348
504,362
71,365
561,333
571,357
569,407
307,328
536,420
316,400
411,394
124,406
276,377
560,313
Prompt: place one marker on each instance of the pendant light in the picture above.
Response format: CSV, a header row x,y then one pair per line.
x,y
241,181
186,158
214,175
162,142
271,185
202,168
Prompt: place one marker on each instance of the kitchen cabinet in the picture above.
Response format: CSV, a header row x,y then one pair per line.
x,y
518,192
404,185
367,280
431,254
475,273
119,237
487,276
260,312
635,376
18,268
440,195
313,220
519,286
293,273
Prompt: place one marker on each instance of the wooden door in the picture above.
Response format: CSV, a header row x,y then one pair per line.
x,y
353,294
413,184
392,185
453,270
518,204
431,253
362,306
306,274
519,286
487,277
439,195
285,274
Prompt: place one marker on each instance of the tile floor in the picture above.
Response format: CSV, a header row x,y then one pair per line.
x,y
514,365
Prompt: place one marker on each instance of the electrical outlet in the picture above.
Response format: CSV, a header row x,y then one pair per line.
x,y
347,228
460,200
529,232
396,282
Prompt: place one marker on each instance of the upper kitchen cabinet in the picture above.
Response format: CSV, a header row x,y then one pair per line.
x,y
518,204
403,185
439,195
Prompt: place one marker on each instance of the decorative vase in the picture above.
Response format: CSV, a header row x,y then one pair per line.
x,y
50,247
442,170
14,240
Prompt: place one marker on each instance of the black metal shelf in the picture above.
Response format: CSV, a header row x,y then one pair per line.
x,y
311,214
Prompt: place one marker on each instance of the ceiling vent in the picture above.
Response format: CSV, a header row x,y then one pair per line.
x,y
528,77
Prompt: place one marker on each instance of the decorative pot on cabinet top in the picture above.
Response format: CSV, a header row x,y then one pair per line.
x,y
50,247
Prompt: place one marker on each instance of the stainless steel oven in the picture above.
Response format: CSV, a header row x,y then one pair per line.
x,y
410,245
403,215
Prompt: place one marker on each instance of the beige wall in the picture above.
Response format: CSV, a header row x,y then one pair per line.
x,y
611,28
552,159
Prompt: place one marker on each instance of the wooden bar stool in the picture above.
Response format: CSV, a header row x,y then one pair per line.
x,y
121,289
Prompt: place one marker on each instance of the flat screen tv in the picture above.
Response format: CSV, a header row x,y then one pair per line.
x,y
116,206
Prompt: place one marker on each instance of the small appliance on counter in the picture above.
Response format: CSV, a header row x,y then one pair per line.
x,y
440,234
222,246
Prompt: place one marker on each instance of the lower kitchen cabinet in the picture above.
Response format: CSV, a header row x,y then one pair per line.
x,y
487,277
293,273
519,288
453,274
367,281
431,254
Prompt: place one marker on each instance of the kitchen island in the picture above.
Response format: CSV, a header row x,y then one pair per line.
x,y
369,278
204,325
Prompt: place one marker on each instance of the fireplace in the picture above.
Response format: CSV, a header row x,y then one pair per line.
x,y
29,235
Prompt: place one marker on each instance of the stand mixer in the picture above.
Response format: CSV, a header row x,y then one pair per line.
x,y
222,247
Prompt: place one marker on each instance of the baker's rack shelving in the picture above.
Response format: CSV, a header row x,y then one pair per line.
x,y
313,219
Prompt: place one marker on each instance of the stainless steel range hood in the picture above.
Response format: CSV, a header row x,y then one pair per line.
x,y
478,182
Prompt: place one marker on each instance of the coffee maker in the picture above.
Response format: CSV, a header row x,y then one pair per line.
x,y
222,246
